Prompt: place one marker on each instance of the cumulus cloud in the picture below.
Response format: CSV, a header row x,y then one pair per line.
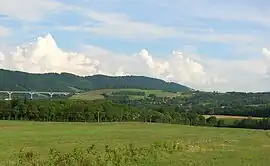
x,y
176,67
44,55
241,75
266,54
179,68
2,57
155,67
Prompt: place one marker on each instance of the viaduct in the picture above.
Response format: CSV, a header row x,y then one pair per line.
x,y
31,93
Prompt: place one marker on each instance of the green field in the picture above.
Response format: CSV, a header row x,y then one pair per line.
x,y
231,117
203,146
97,94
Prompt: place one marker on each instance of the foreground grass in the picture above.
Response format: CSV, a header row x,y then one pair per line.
x,y
199,145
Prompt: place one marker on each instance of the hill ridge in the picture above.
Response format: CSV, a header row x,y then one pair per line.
x,y
19,80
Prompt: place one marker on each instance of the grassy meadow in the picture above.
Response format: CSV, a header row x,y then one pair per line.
x,y
227,117
202,146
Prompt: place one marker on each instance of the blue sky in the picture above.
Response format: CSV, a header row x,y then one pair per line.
x,y
192,23
205,30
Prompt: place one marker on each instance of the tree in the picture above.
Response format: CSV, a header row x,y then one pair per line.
x,y
25,100
221,123
211,121
193,117
202,120
153,96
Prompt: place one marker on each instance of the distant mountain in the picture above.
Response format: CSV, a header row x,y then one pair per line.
x,y
16,80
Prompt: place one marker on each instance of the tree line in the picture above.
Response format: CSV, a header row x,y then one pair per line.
x,y
107,111
90,111
207,103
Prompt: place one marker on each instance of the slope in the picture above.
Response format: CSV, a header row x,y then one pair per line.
x,y
99,94
134,82
16,80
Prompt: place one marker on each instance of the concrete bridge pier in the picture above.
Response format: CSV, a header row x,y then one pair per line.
x,y
31,95
51,94
9,95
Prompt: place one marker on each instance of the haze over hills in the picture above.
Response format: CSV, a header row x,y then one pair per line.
x,y
16,80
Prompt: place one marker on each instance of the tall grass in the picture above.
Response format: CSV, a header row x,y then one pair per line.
x,y
128,155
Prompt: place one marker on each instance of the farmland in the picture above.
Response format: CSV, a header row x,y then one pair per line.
x,y
227,117
98,94
202,146
143,126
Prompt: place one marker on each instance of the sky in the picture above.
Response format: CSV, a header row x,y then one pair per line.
x,y
209,45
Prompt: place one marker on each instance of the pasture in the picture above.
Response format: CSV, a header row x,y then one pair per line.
x,y
202,146
97,94
228,117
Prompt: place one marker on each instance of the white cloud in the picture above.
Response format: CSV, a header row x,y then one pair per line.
x,y
216,37
180,68
241,75
45,56
251,11
119,26
116,25
2,57
176,67
156,68
102,23
239,12
203,73
266,54
4,31
111,24
30,10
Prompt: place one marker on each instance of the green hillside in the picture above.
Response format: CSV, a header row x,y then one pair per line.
x,y
134,82
16,80
132,93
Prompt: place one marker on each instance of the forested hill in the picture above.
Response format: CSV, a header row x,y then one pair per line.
x,y
15,80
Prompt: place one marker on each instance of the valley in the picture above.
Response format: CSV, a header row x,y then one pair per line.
x,y
102,120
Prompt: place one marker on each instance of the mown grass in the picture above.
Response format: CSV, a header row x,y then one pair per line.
x,y
152,144
97,94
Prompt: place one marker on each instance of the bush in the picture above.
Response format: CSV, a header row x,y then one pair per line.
x,y
211,121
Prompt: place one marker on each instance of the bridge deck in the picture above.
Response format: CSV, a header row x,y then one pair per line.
x,y
35,92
